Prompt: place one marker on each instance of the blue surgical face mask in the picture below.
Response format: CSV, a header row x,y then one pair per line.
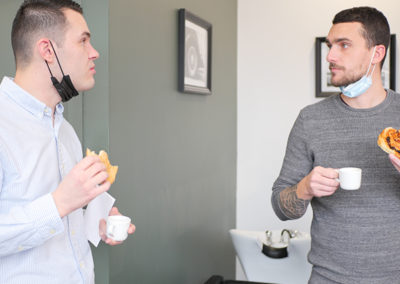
x,y
361,86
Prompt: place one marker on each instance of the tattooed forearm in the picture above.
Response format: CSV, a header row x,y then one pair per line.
x,y
292,206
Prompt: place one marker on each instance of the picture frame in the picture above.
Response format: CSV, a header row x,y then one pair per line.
x,y
194,53
323,88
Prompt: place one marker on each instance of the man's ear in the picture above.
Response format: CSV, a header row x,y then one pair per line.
x,y
380,52
43,47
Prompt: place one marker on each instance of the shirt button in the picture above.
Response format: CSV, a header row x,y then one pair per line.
x,y
72,233
52,231
20,248
82,264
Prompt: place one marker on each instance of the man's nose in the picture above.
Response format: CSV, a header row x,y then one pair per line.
x,y
332,55
93,53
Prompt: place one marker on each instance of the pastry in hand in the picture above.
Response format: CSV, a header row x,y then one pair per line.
x,y
389,141
111,170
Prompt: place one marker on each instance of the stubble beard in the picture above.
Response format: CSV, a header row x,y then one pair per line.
x,y
346,80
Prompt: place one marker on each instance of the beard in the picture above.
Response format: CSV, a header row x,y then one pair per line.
x,y
346,79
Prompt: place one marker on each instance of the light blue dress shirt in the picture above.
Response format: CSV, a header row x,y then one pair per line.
x,y
36,245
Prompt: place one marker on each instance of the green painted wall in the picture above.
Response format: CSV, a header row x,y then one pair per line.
x,y
176,152
8,9
94,107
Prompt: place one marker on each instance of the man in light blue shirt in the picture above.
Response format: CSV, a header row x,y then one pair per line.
x,y
44,182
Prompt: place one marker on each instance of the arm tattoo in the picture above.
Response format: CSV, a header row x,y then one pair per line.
x,y
292,206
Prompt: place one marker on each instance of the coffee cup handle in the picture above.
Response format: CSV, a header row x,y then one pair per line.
x,y
338,180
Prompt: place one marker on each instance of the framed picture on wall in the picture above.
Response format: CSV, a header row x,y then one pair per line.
x,y
194,54
323,86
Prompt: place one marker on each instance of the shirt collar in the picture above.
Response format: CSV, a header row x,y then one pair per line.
x,y
26,100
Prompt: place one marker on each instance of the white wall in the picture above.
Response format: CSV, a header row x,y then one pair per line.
x,y
275,80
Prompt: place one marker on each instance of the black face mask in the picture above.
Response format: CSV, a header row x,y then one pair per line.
x,y
65,89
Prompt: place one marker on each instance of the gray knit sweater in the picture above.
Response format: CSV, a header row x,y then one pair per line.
x,y
355,234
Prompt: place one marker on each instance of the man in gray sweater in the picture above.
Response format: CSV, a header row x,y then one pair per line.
x,y
355,234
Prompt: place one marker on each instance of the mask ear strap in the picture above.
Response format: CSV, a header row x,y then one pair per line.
x,y
373,68
56,58
49,68
370,63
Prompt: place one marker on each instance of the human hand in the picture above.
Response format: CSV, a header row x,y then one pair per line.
x,y
84,182
395,161
103,229
319,182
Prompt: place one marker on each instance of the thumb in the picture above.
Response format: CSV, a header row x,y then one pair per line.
x,y
114,211
395,161
103,229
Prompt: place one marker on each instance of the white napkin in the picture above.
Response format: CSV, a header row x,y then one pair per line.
x,y
97,209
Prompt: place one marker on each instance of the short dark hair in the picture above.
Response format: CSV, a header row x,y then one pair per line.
x,y
375,26
38,16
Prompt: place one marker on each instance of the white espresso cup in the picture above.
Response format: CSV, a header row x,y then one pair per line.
x,y
117,227
349,178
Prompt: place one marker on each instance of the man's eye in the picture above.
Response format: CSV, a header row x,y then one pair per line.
x,y
345,45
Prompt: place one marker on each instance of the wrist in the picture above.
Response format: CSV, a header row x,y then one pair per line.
x,y
302,192
61,209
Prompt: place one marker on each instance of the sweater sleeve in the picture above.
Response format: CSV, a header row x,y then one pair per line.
x,y
297,163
